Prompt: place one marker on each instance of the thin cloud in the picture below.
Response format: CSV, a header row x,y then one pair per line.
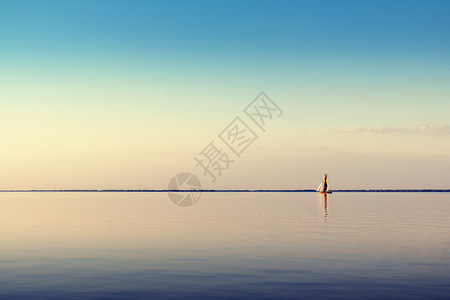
x,y
346,130
424,129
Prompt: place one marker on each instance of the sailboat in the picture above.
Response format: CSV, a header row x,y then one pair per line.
x,y
324,187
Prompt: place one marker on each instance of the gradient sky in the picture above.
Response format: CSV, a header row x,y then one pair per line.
x,y
123,94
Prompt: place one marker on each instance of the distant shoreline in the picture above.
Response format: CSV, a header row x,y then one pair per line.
x,y
228,191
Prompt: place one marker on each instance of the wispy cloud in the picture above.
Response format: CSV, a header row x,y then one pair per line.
x,y
424,129
346,130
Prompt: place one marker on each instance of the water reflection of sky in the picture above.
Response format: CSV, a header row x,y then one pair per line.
x,y
134,245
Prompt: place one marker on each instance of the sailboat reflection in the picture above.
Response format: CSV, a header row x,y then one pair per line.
x,y
324,200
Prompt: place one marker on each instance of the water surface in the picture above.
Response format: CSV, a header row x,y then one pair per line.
x,y
229,245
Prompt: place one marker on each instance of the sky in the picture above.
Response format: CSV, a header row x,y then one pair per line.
x,y
124,94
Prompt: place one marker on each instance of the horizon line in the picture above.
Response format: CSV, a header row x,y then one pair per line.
x,y
222,190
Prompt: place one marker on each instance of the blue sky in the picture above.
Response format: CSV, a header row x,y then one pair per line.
x,y
366,78
308,29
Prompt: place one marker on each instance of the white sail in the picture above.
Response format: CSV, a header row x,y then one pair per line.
x,y
324,187
320,187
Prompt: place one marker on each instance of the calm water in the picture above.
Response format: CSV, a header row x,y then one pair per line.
x,y
229,245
